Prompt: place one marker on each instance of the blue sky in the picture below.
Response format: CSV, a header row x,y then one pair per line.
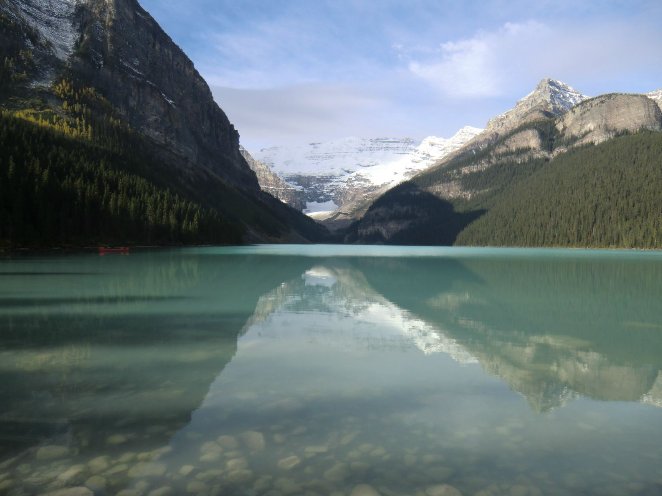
x,y
293,71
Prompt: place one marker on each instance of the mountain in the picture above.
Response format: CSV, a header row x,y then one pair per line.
x,y
101,80
656,96
271,183
340,178
527,145
551,98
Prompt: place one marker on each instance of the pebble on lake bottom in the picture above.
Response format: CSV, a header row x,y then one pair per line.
x,y
51,452
70,491
289,462
364,490
442,490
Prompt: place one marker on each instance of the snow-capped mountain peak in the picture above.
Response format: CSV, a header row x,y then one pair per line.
x,y
550,95
333,173
656,96
559,95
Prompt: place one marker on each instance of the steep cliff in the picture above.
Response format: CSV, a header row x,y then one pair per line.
x,y
603,117
106,69
271,183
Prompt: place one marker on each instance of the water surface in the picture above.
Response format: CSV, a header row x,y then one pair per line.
x,y
319,370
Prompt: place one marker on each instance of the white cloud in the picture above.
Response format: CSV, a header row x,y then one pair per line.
x,y
476,67
516,55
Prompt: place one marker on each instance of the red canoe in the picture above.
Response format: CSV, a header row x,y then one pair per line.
x,y
119,249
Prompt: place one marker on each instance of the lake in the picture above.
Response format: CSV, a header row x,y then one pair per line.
x,y
332,370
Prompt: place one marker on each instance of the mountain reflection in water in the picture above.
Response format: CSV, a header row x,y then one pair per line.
x,y
301,370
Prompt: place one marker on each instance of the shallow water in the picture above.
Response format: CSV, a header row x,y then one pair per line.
x,y
319,370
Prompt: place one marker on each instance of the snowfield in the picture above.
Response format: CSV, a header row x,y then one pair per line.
x,y
329,170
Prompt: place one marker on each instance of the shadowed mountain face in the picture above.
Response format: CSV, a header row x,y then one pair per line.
x,y
102,83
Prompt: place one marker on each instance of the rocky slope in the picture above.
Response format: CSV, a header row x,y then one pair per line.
x,y
550,98
550,121
603,117
656,96
115,49
271,183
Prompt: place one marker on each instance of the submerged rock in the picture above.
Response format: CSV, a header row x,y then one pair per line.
x,y
442,490
99,464
127,457
227,442
289,463
117,469
364,490
161,491
236,464
196,487
147,469
70,491
239,476
254,440
116,439
336,473
72,475
186,470
51,452
129,492
96,483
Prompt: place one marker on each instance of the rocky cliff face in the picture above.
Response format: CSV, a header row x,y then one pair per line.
x,y
550,98
274,185
124,52
601,118
656,96
115,49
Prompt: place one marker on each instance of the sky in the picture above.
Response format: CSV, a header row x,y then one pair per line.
x,y
290,72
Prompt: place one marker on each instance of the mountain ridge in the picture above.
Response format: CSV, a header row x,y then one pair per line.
x,y
436,205
346,174
107,72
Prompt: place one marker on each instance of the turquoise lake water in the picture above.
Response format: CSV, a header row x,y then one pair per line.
x,y
332,370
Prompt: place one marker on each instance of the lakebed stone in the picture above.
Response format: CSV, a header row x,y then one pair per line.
x,y
227,442
236,464
98,464
186,470
253,440
442,490
364,490
52,452
147,469
336,473
289,462
70,491
96,483
72,475
162,491
116,439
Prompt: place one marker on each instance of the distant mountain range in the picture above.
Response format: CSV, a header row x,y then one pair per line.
x,y
337,180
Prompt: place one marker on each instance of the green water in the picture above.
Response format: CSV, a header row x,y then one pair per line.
x,y
332,370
